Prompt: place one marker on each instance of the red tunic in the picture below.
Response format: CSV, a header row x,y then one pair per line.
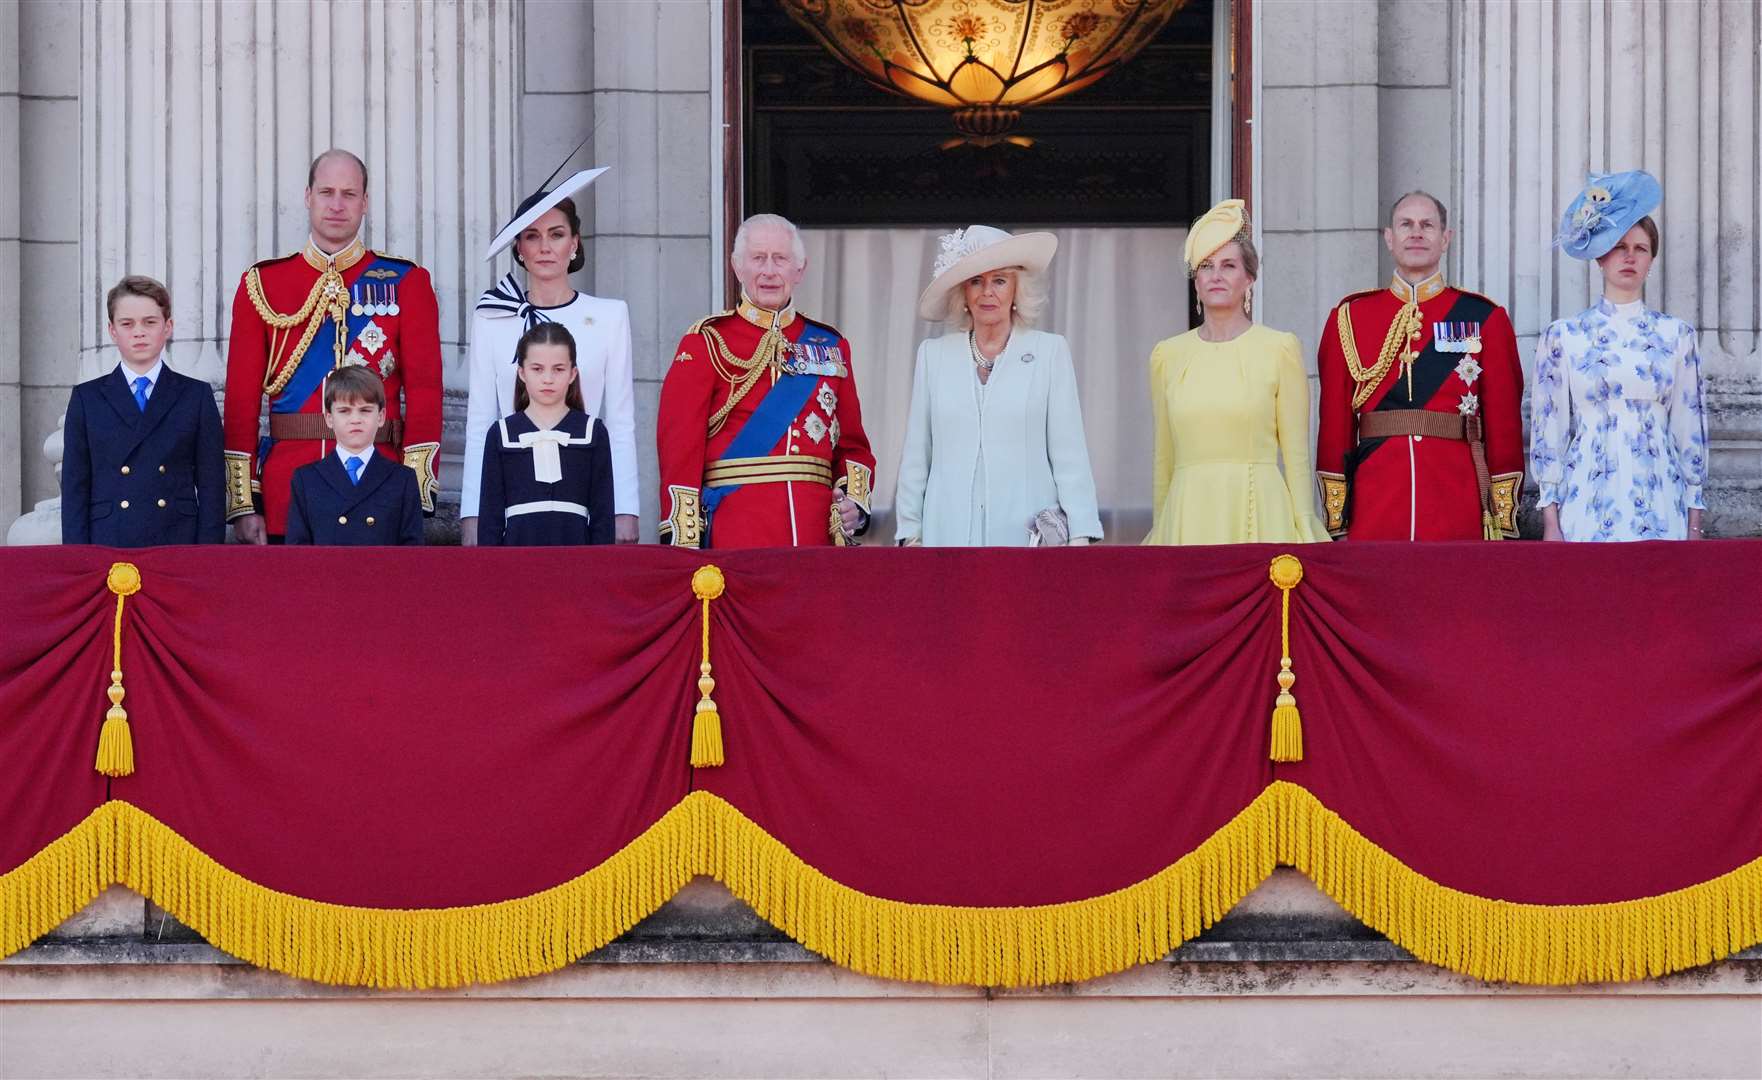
x,y
1464,363
402,348
784,498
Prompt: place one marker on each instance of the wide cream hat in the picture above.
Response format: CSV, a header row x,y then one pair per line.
x,y
975,250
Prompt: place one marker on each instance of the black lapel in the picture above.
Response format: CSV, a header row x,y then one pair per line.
x,y
1432,368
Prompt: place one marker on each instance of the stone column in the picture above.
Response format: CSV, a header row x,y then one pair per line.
x,y
172,139
1549,92
49,231
1320,159
11,445
650,89
1415,104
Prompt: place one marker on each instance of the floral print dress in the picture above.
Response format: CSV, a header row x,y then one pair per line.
x,y
1618,435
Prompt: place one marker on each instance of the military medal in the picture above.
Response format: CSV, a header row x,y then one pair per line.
x,y
392,308
381,308
1455,337
355,308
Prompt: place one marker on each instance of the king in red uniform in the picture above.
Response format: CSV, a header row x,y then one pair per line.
x,y
1421,434
760,435
298,318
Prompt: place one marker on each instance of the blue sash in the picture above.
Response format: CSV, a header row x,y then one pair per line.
x,y
770,420
320,358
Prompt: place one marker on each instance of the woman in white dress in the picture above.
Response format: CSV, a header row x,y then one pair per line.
x,y
1618,436
546,237
994,447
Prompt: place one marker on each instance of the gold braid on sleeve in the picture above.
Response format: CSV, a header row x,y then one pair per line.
x,y
329,297
238,484
1401,333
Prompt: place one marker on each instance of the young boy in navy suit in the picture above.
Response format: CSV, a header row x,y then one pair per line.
x,y
355,495
142,461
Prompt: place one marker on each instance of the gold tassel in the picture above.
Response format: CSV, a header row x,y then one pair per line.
x,y
1287,741
116,746
1490,531
706,724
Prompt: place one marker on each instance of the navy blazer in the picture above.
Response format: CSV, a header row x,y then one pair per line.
x,y
324,507
131,478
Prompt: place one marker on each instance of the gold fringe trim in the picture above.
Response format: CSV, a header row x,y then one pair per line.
x,y
406,948
1001,946
1008,946
53,885
1502,941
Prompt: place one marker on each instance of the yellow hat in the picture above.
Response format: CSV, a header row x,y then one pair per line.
x,y
1215,228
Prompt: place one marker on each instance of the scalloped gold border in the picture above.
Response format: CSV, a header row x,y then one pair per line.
x,y
985,946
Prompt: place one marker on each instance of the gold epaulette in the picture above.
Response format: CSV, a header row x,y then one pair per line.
x,y
698,327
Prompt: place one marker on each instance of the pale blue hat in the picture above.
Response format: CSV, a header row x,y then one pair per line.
x,y
1605,210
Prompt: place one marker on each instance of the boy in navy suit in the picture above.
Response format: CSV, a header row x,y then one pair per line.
x,y
355,495
142,461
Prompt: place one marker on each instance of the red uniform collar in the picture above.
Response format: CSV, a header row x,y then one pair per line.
x,y
1417,293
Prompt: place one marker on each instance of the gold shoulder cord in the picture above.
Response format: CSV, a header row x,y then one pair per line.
x,y
741,374
1403,330
326,298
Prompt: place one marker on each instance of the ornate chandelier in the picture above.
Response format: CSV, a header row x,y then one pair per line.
x,y
985,59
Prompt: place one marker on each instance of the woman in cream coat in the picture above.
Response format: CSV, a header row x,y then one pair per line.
x,y
995,433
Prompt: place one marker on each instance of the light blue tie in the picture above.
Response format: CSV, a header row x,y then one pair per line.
x,y
141,385
354,465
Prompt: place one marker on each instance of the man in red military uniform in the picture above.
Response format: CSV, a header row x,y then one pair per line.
x,y
760,434
1421,432
296,319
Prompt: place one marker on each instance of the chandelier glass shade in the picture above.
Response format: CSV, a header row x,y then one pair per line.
x,y
984,59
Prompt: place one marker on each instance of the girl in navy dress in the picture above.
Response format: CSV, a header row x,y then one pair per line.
x,y
547,468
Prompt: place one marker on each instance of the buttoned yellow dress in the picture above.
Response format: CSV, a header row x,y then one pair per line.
x,y
1226,413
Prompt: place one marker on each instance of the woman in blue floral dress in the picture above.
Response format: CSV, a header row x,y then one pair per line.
x,y
1618,436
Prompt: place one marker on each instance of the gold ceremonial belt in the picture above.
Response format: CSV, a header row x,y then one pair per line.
x,y
729,472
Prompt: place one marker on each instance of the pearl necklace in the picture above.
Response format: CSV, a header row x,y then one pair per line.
x,y
979,360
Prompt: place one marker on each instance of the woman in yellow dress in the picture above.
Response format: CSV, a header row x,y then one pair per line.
x,y
1230,400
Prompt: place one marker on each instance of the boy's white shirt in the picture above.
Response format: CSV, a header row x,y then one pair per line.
x,y
152,374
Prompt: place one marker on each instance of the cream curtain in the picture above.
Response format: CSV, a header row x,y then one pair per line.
x,y
1115,294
